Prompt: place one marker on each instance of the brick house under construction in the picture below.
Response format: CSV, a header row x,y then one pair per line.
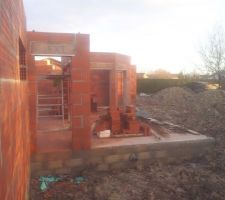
x,y
57,98
44,101
63,98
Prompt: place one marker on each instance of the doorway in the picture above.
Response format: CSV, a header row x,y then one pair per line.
x,y
100,88
53,88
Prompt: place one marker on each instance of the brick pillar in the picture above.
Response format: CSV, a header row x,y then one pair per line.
x,y
125,88
80,94
113,102
32,85
114,112
133,85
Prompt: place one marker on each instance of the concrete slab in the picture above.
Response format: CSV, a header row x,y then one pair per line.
x,y
56,141
174,137
111,153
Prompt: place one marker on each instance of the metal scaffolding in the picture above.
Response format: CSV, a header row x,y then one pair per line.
x,y
51,105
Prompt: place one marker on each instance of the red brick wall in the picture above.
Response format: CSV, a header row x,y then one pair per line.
x,y
116,62
100,86
42,68
132,85
14,111
51,37
120,87
122,59
80,86
32,75
109,58
48,86
102,57
80,93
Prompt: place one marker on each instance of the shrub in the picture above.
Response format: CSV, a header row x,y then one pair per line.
x,y
153,85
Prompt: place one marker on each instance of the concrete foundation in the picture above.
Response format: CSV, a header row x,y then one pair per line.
x,y
117,153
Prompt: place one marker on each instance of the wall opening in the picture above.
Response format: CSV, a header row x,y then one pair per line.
x,y
53,88
100,89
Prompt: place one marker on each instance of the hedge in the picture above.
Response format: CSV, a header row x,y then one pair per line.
x,y
153,85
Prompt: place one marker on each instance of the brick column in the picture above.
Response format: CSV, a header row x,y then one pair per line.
x,y
126,88
80,94
113,102
133,85
32,85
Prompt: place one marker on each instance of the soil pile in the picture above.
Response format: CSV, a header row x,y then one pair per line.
x,y
203,111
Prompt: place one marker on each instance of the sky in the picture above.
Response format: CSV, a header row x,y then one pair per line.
x,y
157,34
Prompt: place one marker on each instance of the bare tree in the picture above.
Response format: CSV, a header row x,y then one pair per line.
x,y
213,53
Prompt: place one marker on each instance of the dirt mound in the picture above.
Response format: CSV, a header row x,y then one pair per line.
x,y
197,86
204,111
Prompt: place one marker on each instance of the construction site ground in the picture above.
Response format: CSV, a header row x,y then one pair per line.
x,y
199,179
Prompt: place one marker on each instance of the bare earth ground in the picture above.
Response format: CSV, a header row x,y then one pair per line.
x,y
195,180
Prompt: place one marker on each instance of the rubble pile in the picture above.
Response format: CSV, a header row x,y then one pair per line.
x,y
203,111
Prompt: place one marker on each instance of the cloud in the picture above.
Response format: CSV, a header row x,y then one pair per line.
x,y
154,32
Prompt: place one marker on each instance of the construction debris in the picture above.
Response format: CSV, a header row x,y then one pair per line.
x,y
203,178
104,134
120,123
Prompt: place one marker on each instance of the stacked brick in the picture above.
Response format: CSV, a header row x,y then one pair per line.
x,y
115,121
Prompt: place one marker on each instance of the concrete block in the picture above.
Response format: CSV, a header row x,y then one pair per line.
x,y
170,160
119,165
127,156
131,157
63,171
113,158
54,164
94,161
143,155
58,155
35,166
42,173
161,154
74,162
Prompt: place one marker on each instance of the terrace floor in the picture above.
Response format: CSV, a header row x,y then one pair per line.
x,y
55,136
56,141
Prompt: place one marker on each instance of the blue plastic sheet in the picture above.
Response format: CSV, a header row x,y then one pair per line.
x,y
79,179
45,180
